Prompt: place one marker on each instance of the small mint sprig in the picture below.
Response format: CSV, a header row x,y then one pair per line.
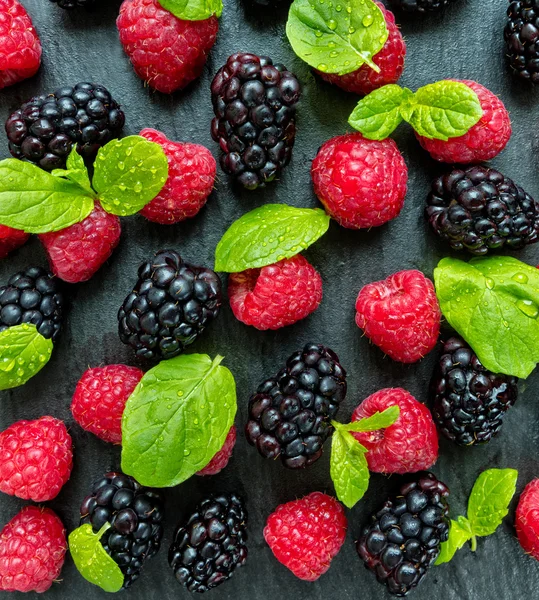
x,y
488,504
442,110
193,10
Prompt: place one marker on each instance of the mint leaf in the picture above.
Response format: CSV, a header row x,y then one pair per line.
x,y
379,420
348,467
23,353
267,235
336,37
459,534
442,110
378,114
76,172
177,419
493,303
128,174
193,10
36,201
91,559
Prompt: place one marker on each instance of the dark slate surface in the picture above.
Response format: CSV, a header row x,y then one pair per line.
x,y
467,43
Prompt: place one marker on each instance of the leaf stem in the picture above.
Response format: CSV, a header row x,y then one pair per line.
x,y
104,528
473,541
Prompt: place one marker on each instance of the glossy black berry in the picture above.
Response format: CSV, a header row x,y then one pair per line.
x,y
419,6
469,402
402,539
210,544
522,39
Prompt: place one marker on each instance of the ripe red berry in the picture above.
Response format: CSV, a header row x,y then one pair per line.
x,y
220,460
390,60
99,399
77,252
401,315
11,239
277,295
191,174
32,550
306,534
527,519
167,53
407,446
485,140
360,182
36,459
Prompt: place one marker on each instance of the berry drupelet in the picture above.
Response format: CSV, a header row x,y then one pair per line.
x,y
479,209
254,104
210,545
44,129
290,414
135,515
419,6
403,538
522,39
469,402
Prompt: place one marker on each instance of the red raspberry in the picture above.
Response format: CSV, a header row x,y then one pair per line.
x,y
220,460
36,459
167,53
277,295
400,315
360,182
77,252
485,140
191,173
32,550
11,239
306,534
527,519
20,48
390,59
99,399
409,445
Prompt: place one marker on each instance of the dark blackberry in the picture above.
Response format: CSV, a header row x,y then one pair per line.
x,y
135,515
469,402
419,5
290,415
521,35
44,129
403,538
478,209
169,307
32,296
254,104
71,4
210,545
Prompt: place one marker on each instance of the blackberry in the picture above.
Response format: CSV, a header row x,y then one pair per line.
x,y
469,402
403,538
521,35
169,307
71,4
135,514
290,414
254,104
478,209
210,545
420,6
44,129
33,296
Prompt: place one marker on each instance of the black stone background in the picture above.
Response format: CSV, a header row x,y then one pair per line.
x,y
465,42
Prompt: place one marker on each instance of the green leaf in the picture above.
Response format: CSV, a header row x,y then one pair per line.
x,y
442,110
193,10
91,559
333,40
459,534
378,114
348,468
128,174
493,303
23,353
36,201
267,235
177,419
76,172
489,500
379,420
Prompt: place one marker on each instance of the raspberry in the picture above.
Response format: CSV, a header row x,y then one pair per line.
x,y
99,399
32,550
485,140
20,48
305,535
166,52
360,182
400,315
527,519
277,295
407,446
390,60
77,252
11,239
220,460
191,174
